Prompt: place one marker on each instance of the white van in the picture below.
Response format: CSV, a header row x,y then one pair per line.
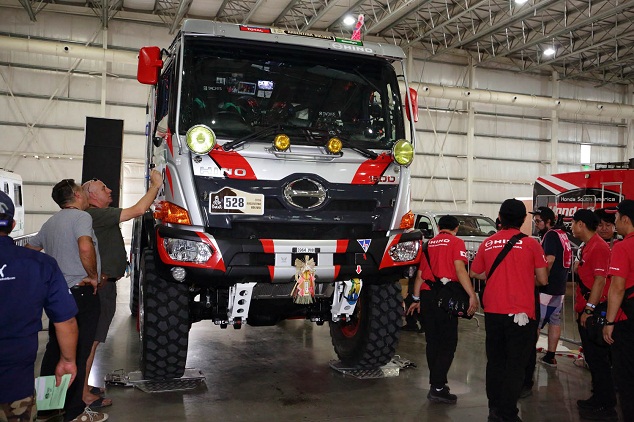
x,y
11,184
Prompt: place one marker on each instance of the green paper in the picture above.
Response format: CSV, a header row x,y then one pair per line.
x,y
48,395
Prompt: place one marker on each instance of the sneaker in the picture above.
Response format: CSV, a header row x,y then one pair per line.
x,y
441,396
601,413
549,362
91,416
588,403
526,392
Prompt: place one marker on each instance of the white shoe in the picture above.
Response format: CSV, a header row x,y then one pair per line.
x,y
90,415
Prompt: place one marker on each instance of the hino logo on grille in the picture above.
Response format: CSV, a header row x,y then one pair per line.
x,y
305,193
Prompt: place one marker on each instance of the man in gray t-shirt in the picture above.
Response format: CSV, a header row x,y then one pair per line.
x,y
69,238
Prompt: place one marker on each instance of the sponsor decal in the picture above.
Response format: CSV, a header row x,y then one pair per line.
x,y
569,202
365,244
352,48
348,41
233,201
255,29
301,34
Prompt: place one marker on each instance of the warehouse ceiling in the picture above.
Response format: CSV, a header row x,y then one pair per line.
x,y
591,39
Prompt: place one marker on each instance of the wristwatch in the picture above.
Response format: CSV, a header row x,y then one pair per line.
x,y
588,311
415,299
608,322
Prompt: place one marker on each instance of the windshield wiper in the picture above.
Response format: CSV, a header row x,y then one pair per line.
x,y
368,153
269,130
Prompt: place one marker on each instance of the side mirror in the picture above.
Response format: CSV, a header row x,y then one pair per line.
x,y
150,65
412,98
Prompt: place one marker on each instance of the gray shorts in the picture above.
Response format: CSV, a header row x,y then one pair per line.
x,y
108,299
550,309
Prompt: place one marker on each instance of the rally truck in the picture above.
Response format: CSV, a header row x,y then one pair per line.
x,y
605,186
286,190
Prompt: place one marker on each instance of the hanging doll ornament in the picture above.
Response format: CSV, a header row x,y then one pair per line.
x,y
304,290
356,34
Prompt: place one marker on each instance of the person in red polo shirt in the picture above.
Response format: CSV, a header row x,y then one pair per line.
x,y
591,291
448,259
509,309
619,329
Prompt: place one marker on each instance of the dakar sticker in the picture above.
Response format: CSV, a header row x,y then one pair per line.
x,y
233,201
365,244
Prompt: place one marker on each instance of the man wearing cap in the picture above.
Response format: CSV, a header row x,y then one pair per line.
x,y
509,308
69,238
29,283
447,263
551,297
105,222
619,329
591,291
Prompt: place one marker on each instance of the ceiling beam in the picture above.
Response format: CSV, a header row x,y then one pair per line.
x,y
320,14
255,7
581,19
291,4
183,8
29,10
393,17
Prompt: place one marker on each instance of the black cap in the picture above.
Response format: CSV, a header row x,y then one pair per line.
x,y
513,208
606,215
545,213
626,207
588,217
7,208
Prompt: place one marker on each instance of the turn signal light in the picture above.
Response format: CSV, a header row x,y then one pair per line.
x,y
407,222
171,213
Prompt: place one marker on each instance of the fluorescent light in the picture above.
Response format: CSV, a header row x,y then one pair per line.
x,y
585,153
549,51
520,1
349,20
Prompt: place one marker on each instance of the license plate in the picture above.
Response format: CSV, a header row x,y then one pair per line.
x,y
305,250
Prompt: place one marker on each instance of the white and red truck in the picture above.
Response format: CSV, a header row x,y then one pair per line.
x,y
286,190
605,186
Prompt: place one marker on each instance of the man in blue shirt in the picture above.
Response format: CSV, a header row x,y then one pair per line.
x,y
29,282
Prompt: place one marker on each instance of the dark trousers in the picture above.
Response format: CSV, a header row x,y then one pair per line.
x,y
623,359
532,360
598,359
441,334
508,348
87,317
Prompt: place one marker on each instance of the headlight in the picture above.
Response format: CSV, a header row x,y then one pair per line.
x,y
405,251
187,250
403,152
200,139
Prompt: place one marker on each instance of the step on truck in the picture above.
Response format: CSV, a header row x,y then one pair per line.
x,y
286,190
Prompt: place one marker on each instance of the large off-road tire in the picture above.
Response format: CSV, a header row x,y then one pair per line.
x,y
370,338
164,323
135,257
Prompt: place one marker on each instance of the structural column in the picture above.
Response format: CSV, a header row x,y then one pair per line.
x,y
470,139
554,128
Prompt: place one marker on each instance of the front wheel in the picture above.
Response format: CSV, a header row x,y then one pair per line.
x,y
164,323
369,338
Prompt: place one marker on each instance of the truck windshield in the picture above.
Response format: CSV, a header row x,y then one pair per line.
x,y
474,225
239,88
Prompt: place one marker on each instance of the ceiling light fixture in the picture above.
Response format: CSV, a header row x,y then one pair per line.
x,y
349,20
549,51
520,1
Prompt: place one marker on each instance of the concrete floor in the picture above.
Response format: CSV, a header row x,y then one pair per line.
x,y
282,373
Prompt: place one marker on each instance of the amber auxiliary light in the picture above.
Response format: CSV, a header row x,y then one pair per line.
x,y
282,142
171,213
334,145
